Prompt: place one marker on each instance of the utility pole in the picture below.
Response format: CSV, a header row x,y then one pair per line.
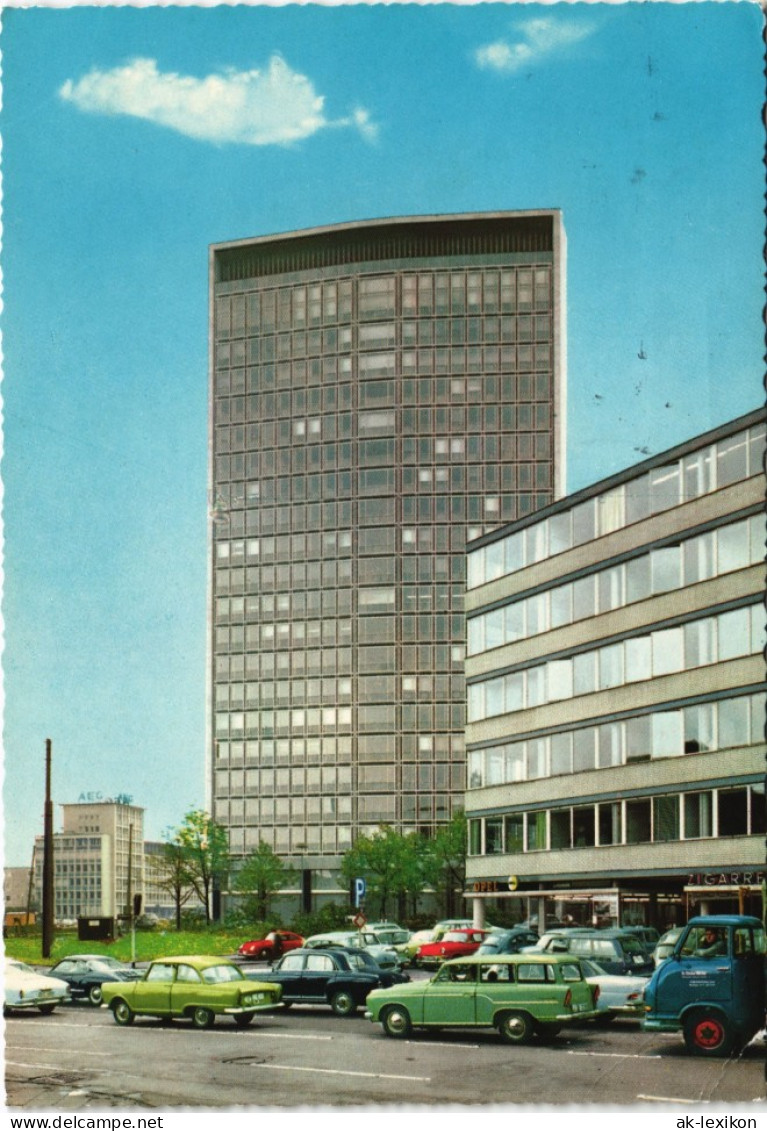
x,y
48,889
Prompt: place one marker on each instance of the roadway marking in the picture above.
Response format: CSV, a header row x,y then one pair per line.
x,y
669,1099
342,1072
43,1048
619,1055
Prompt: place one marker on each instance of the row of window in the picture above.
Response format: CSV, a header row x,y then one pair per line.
x,y
708,469
721,725
297,632
329,749
641,820
740,632
376,718
377,346
735,546
268,666
369,689
488,291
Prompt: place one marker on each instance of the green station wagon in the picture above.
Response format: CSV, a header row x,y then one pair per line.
x,y
199,987
517,994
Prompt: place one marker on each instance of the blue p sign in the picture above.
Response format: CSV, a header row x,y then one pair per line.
x,y
359,891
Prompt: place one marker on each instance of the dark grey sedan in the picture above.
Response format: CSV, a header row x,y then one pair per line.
x,y
86,973
339,977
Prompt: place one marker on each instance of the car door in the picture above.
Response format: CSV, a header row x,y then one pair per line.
x,y
152,994
449,999
289,972
187,989
317,972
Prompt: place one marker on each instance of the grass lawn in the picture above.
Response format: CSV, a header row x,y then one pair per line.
x,y
149,944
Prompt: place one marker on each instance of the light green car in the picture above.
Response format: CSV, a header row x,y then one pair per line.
x,y
517,994
198,987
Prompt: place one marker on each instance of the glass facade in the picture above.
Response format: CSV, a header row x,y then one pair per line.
x,y
379,394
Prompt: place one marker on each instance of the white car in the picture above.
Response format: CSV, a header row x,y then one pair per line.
x,y
386,956
26,989
619,994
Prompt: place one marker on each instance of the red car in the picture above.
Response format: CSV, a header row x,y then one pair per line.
x,y
272,947
454,944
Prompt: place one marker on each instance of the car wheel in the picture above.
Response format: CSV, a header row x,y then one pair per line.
x,y
515,1028
46,1008
122,1013
396,1022
708,1033
95,996
202,1018
242,1020
343,1004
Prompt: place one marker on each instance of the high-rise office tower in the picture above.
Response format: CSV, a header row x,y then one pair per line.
x,y
380,392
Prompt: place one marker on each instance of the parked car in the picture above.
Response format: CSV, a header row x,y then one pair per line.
x,y
386,956
665,945
457,943
389,933
408,950
86,973
508,942
517,994
25,988
272,946
619,994
713,985
339,977
198,987
648,936
614,951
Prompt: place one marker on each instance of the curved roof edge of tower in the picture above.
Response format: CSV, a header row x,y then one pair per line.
x,y
493,218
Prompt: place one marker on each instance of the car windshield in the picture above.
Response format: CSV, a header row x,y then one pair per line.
x,y
16,965
361,961
213,975
107,963
455,936
631,945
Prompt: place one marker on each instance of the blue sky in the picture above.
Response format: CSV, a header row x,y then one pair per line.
x,y
135,137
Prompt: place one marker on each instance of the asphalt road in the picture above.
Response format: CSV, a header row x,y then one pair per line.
x,y
77,1059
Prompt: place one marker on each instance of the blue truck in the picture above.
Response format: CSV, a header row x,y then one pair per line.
x,y
712,987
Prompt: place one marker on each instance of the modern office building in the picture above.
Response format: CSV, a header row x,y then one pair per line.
x,y
616,694
379,392
98,859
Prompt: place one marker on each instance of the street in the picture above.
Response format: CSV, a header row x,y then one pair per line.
x,y
78,1059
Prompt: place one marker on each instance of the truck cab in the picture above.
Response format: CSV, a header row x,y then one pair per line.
x,y
712,986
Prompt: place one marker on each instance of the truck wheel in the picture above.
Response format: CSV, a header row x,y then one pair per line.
x,y
708,1033
343,1004
396,1022
515,1028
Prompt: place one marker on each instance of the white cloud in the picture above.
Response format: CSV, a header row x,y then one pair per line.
x,y
536,39
273,106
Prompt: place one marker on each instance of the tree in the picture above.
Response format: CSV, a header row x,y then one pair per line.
x,y
168,871
261,876
388,861
446,864
205,848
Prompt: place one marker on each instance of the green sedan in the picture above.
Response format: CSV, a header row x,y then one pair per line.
x,y
199,987
517,994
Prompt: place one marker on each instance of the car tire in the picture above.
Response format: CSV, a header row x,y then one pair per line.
x,y
202,1018
95,995
122,1013
242,1020
515,1028
396,1022
286,1004
343,1004
708,1033
47,1008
